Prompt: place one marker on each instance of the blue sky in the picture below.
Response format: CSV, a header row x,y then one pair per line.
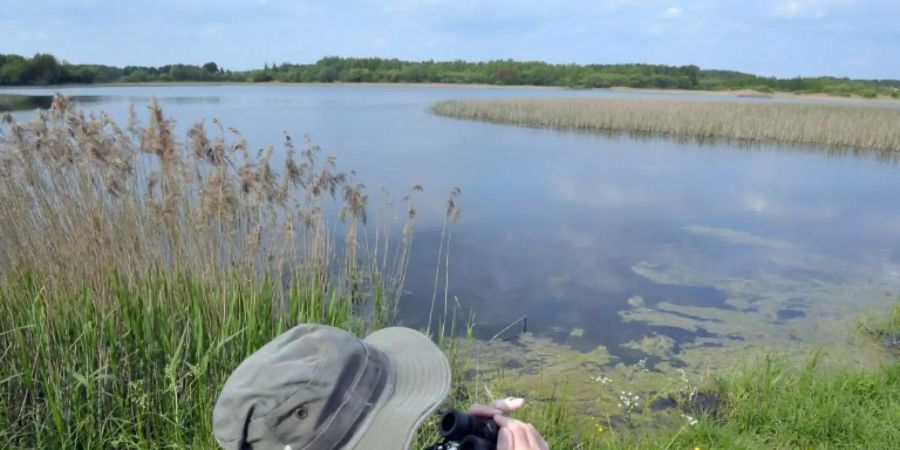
x,y
855,38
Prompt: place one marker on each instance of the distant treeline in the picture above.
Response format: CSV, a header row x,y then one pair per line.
x,y
45,69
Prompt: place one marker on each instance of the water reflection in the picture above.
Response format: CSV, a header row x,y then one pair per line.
x,y
13,102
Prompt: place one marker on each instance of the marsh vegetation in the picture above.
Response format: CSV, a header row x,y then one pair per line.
x,y
138,269
829,126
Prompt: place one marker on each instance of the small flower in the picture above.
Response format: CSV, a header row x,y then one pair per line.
x,y
603,379
641,365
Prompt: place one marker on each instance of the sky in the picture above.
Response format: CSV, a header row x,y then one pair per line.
x,y
785,38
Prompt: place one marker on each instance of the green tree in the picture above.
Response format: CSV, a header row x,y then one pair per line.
x,y
327,74
12,72
138,76
43,69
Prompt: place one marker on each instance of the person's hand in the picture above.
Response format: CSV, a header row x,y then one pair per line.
x,y
513,434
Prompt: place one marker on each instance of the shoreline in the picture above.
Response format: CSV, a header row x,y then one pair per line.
x,y
279,83
749,93
737,94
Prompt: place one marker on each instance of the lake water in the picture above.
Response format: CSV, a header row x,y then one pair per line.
x,y
598,240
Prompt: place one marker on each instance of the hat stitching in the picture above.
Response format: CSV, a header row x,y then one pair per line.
x,y
389,388
356,381
361,425
315,371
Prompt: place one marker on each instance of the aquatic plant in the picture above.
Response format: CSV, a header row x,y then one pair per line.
x,y
834,127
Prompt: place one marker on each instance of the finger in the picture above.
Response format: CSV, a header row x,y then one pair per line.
x,y
541,443
520,435
515,428
544,445
524,434
484,411
505,440
502,421
508,404
532,436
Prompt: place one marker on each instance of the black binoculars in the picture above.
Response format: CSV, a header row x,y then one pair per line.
x,y
470,432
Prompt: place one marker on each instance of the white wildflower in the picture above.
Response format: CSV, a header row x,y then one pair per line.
x,y
690,420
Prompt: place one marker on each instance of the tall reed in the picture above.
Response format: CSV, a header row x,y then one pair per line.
x,y
831,126
137,270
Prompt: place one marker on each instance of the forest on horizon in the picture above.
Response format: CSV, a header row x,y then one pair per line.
x,y
45,69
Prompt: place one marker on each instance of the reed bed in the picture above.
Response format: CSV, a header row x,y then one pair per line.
x,y
81,197
138,269
835,127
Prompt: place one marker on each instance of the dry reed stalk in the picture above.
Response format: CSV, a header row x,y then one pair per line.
x,y
81,198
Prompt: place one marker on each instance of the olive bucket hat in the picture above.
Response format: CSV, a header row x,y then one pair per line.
x,y
317,387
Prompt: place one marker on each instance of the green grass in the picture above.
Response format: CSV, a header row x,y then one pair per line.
x,y
884,328
141,367
834,127
771,404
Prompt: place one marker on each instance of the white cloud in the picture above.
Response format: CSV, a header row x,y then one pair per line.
x,y
809,9
407,6
600,195
673,13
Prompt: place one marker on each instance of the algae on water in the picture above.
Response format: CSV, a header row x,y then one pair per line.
x,y
749,323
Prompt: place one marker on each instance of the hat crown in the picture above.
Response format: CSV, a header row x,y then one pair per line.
x,y
307,388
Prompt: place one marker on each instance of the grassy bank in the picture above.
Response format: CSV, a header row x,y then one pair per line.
x,y
884,328
768,401
829,126
775,402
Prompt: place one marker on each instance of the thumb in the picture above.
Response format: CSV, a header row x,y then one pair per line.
x,y
508,404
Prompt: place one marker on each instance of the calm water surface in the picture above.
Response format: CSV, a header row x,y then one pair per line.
x,y
598,240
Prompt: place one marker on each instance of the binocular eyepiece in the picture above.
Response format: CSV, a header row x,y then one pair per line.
x,y
471,432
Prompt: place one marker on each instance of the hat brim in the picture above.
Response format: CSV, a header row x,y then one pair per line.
x,y
422,383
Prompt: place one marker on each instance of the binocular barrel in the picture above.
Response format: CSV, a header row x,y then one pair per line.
x,y
476,443
472,432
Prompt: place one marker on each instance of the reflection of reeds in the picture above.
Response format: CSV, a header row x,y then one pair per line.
x,y
831,126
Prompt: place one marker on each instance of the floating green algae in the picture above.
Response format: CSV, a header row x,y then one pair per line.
x,y
770,311
737,236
